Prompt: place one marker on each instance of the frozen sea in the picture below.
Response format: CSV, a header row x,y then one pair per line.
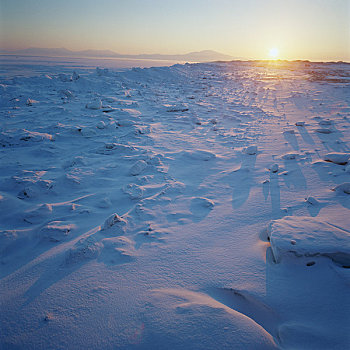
x,y
186,206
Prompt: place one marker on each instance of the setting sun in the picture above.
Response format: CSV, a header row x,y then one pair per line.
x,y
273,53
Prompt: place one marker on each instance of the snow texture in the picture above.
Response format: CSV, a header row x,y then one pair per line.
x,y
134,205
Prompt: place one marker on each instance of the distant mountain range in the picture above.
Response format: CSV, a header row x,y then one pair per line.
x,y
200,56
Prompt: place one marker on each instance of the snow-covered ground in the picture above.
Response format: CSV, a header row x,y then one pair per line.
x,y
200,206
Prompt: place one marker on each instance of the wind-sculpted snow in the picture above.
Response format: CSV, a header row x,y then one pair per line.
x,y
134,206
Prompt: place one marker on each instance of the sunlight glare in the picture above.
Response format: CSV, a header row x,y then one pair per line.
x,y
273,53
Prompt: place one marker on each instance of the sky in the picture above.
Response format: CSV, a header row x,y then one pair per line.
x,y
299,29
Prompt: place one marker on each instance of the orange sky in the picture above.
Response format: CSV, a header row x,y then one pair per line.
x,y
300,29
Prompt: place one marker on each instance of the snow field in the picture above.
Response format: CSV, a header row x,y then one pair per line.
x,y
195,206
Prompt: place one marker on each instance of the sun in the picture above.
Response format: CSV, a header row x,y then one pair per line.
x,y
274,52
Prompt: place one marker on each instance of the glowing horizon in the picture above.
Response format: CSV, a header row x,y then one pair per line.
x,y
305,30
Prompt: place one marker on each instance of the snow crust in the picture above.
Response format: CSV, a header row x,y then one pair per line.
x,y
134,205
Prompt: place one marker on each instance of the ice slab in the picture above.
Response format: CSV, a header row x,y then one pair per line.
x,y
305,236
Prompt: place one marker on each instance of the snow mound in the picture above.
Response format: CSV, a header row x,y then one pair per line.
x,y
308,237
200,155
78,161
56,231
133,190
200,206
35,136
84,249
138,167
337,158
290,156
203,202
113,147
104,203
101,125
7,237
174,187
38,214
117,250
32,184
244,332
95,104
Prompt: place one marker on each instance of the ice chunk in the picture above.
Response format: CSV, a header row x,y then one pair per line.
x,y
113,220
64,77
311,200
305,236
180,107
324,131
344,187
337,158
101,125
274,168
102,71
30,102
75,76
325,122
251,150
66,93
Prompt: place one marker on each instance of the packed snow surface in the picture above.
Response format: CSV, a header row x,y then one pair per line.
x,y
197,206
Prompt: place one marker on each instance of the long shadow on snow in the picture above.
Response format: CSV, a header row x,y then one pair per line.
x,y
295,177
305,135
333,141
74,258
292,140
25,249
242,180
